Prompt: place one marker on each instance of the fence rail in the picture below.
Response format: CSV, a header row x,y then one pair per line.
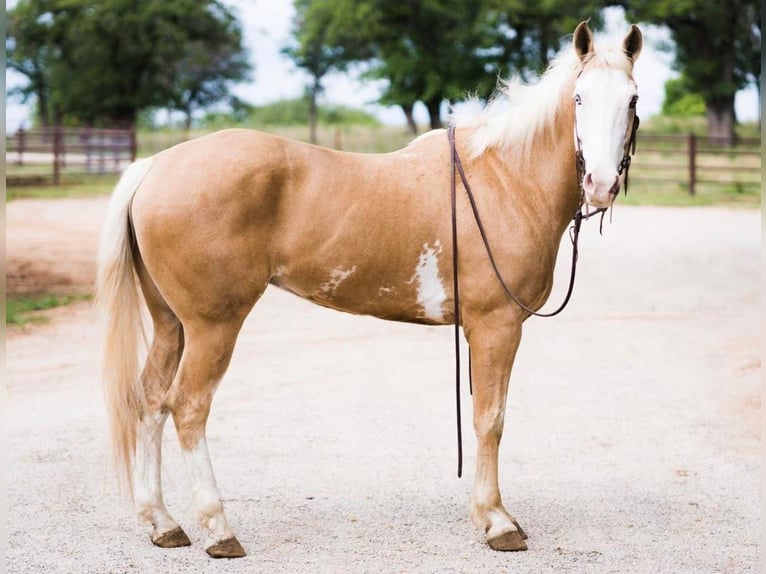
x,y
692,160
686,160
67,151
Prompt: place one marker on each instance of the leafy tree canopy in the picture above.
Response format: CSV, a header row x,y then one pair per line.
x,y
91,61
434,50
681,99
717,48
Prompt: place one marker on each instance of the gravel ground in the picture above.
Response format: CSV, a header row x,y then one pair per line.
x,y
631,445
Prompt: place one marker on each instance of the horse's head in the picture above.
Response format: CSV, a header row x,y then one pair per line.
x,y
605,98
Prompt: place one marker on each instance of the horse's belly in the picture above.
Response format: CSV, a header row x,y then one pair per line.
x,y
420,295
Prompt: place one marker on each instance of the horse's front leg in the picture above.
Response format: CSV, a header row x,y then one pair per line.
x,y
493,343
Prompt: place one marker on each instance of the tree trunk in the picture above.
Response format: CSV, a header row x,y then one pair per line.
x,y
434,114
313,117
721,119
187,123
43,110
411,125
314,89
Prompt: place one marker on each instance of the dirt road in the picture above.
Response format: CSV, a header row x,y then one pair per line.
x,y
631,441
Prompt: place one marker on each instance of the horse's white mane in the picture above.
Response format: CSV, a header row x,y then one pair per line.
x,y
517,113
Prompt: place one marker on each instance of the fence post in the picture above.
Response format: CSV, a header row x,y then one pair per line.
x,y
85,140
101,152
21,137
56,155
692,163
133,143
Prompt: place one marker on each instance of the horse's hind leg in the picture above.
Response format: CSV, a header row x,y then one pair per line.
x,y
206,355
158,373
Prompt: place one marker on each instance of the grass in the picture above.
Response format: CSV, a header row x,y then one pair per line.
x,y
83,187
677,195
20,310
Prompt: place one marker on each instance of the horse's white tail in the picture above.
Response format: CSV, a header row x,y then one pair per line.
x,y
118,299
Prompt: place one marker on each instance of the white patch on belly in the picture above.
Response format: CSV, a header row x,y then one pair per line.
x,y
431,293
386,291
337,276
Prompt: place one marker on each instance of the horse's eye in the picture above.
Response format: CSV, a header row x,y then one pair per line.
x,y
633,101
578,99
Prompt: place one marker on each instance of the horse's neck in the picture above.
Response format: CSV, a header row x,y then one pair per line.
x,y
550,171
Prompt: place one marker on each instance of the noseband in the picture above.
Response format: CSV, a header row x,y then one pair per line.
x,y
580,214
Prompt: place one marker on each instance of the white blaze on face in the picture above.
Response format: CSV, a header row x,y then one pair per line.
x,y
602,97
337,276
431,293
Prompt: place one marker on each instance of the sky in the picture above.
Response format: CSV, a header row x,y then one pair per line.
x,y
266,27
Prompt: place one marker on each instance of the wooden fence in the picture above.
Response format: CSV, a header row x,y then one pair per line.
x,y
688,161
691,161
44,155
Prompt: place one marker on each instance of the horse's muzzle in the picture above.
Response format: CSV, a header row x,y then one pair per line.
x,y
600,189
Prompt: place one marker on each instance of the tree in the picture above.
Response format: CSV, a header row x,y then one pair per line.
x,y
212,60
681,99
311,51
427,50
526,35
717,47
436,50
28,51
104,61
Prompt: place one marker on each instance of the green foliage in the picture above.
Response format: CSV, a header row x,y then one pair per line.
x,y
103,61
432,50
84,186
290,113
681,100
20,310
525,35
717,48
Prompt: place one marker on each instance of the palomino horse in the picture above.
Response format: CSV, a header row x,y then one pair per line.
x,y
204,227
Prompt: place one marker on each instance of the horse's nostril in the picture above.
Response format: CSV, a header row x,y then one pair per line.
x,y
587,181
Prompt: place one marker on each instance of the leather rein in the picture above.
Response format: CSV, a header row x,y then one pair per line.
x,y
579,215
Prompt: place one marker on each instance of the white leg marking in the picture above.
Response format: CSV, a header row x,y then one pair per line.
x,y
205,495
431,293
147,475
337,276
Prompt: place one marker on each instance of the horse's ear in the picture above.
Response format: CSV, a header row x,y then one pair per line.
x,y
632,43
583,40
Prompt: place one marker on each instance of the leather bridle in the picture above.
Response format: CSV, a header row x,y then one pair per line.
x,y
581,213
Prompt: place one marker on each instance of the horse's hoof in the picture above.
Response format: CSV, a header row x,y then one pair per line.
x,y
171,539
510,541
229,548
521,530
